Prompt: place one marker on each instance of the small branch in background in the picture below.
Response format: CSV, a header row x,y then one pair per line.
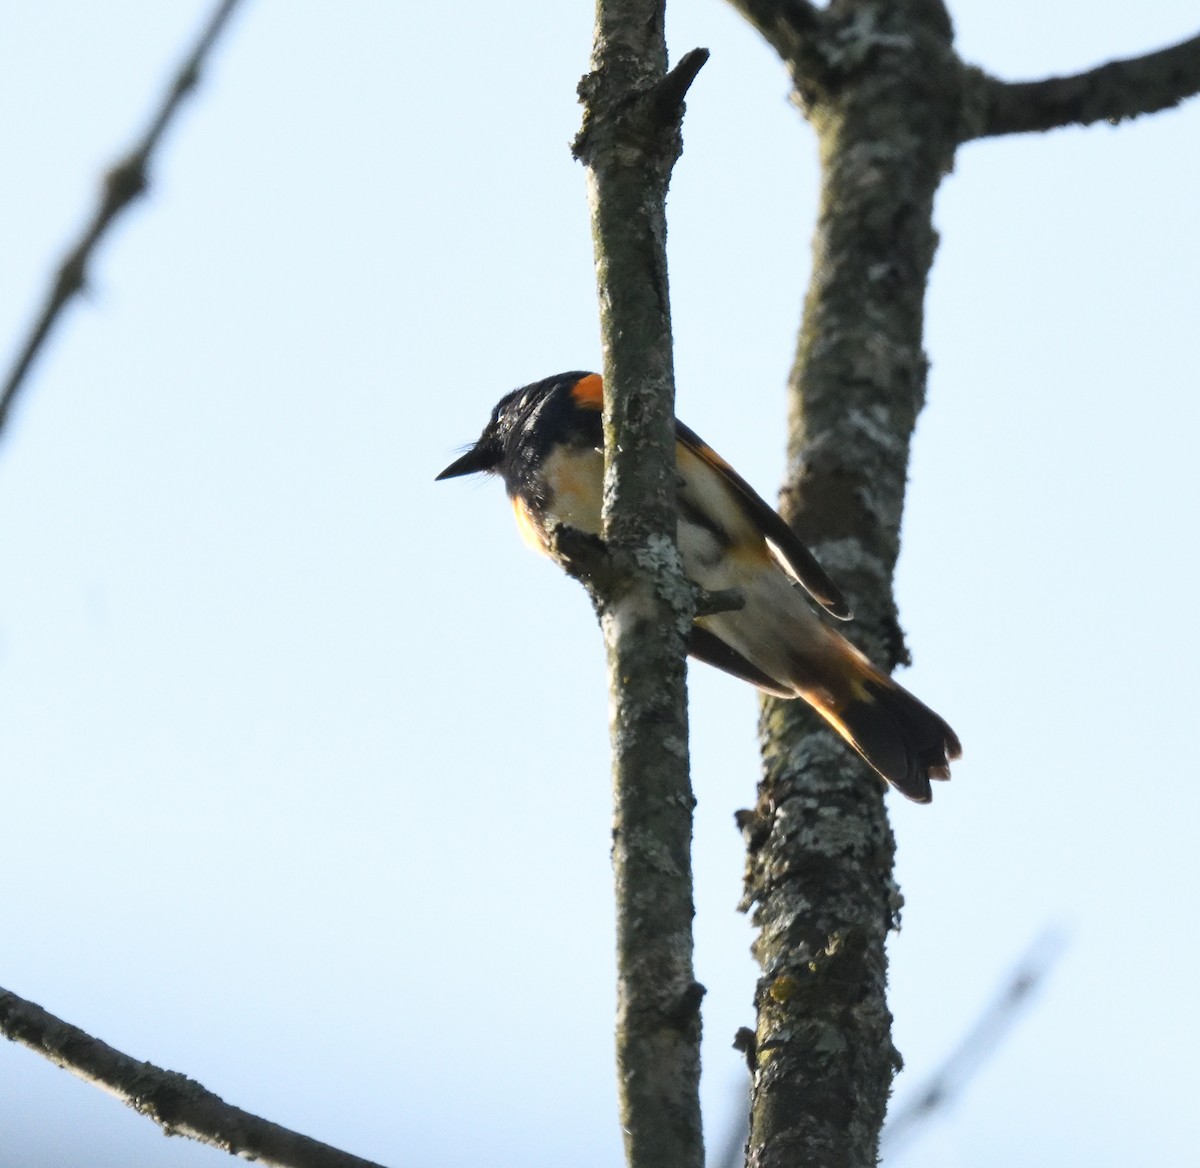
x,y
1110,93
179,1105
123,183
979,1043
732,1149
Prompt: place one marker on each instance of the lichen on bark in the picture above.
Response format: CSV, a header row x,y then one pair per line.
x,y
879,85
629,142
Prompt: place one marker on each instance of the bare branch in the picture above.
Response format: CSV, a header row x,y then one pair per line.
x,y
880,84
584,558
723,600
124,182
979,1043
1110,93
629,141
180,1106
732,1153
672,89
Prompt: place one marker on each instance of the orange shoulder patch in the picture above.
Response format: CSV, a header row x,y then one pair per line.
x,y
588,392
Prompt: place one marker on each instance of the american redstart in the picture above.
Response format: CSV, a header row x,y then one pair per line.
x,y
545,440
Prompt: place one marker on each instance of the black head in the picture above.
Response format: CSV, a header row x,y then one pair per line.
x,y
483,456
488,450
515,416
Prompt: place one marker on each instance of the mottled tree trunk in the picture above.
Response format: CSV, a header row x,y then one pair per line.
x,y
890,102
876,82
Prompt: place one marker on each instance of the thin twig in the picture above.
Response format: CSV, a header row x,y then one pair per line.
x,y
124,182
722,600
1109,93
979,1043
732,1149
584,557
179,1105
672,89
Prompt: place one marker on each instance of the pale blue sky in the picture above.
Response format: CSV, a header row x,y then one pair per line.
x,y
304,758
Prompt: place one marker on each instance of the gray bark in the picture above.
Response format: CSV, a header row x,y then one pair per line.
x,y
179,1105
1109,93
890,102
629,143
880,85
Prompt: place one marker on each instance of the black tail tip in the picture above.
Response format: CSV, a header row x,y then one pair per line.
x,y
902,738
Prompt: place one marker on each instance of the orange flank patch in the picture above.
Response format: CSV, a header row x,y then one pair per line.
x,y
531,533
575,478
588,392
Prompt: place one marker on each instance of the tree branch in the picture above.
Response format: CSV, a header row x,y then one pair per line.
x,y
629,141
1110,93
124,182
788,26
180,1106
881,86
977,1045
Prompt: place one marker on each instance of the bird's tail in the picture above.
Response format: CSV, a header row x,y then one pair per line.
x,y
901,737
779,644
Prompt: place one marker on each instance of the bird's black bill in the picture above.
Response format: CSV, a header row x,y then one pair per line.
x,y
476,459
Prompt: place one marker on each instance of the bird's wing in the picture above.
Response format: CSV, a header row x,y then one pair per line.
x,y
766,520
706,646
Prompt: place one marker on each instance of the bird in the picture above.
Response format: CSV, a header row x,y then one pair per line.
x,y
545,440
